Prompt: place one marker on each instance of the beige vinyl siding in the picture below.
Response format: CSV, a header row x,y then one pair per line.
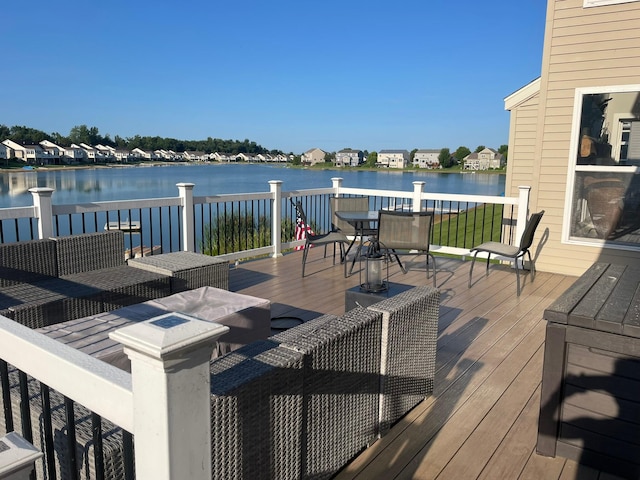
x,y
522,145
590,47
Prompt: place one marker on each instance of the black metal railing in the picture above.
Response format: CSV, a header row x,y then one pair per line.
x,y
65,431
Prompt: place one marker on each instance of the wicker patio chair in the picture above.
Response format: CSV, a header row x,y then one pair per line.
x,y
512,252
409,333
406,233
341,386
256,413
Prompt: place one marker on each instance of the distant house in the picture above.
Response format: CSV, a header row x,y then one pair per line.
x,y
195,156
349,157
313,156
143,154
575,134
393,159
122,155
33,154
483,160
55,152
222,157
73,154
92,154
4,152
427,158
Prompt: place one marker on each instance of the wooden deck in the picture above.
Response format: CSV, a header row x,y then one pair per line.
x,y
481,422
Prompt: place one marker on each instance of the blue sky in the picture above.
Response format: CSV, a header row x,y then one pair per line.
x,y
289,75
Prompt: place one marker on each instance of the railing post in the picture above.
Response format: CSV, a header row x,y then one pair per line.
x,y
44,211
336,183
275,187
17,457
418,188
171,381
188,224
523,211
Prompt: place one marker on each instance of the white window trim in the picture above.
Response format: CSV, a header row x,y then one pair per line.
x,y
572,168
599,3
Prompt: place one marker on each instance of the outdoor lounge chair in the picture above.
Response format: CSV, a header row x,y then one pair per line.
x,y
515,253
325,239
409,232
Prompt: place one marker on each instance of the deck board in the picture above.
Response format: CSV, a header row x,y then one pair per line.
x,y
481,422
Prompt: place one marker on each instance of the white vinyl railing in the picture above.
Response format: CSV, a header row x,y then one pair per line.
x,y
188,229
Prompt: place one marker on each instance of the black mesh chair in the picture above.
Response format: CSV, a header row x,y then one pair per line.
x,y
331,238
350,204
406,233
512,252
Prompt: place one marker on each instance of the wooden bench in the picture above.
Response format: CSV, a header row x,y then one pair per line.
x,y
591,375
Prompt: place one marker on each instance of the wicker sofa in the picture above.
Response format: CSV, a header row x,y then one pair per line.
x,y
300,404
44,282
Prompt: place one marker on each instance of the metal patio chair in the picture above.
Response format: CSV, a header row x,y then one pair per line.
x,y
406,233
331,238
512,252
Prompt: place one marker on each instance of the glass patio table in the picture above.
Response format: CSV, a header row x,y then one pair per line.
x,y
362,221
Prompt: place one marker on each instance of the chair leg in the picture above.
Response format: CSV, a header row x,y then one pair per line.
x,y
404,270
517,276
434,267
533,266
304,256
488,258
473,262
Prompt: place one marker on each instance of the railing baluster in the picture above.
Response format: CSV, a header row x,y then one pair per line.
x,y
127,446
170,233
98,452
71,437
25,410
6,396
49,452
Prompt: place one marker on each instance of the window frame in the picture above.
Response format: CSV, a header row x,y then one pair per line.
x,y
600,3
573,168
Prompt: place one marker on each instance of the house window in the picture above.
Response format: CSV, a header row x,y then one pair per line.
x,y
599,3
604,176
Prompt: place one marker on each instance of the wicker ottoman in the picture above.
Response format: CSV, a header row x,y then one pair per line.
x,y
188,270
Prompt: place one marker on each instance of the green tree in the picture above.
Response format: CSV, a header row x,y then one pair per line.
x,y
504,150
412,155
460,153
445,158
372,158
329,157
479,148
83,134
297,160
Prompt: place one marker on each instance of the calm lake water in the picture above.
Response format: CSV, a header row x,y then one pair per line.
x,y
84,185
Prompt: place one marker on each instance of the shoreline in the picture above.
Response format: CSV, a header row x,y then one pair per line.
x,y
299,167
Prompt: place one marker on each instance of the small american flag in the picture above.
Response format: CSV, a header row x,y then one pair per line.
x,y
301,231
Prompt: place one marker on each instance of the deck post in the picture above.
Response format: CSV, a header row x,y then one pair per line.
x,y
336,183
418,188
275,186
171,383
523,214
188,224
523,211
44,211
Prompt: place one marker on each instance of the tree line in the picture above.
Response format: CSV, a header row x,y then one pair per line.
x,y
91,136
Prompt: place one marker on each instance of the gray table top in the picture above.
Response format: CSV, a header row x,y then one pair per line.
x,y
605,298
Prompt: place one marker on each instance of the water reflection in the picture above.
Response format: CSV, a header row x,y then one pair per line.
x,y
103,184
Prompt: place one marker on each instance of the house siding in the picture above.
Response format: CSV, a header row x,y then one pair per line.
x,y
589,47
